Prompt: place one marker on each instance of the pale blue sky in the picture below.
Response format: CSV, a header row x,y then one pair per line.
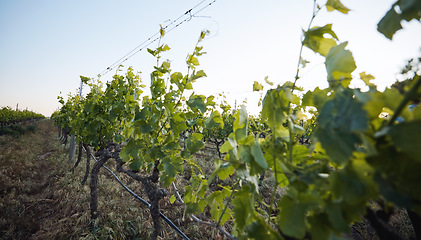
x,y
45,45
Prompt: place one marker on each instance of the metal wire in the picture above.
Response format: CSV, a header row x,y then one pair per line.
x,y
188,15
168,221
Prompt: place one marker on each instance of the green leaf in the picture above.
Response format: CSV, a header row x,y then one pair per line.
x,y
225,147
226,216
259,229
197,75
172,166
130,150
336,5
192,60
385,101
257,86
392,193
367,78
176,78
336,218
85,80
303,62
275,105
292,217
346,185
340,120
406,137
315,40
171,146
214,120
318,227
136,164
339,65
197,102
268,82
194,142
151,52
240,124
189,86
165,48
172,199
118,138
258,156
223,170
210,101
390,23
243,207
317,98
178,123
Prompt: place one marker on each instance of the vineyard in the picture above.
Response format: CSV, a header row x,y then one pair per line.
x,y
10,117
329,163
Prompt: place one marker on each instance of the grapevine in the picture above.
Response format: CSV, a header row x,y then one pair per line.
x,y
9,116
332,152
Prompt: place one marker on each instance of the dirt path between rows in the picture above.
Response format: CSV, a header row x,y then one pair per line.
x,y
28,177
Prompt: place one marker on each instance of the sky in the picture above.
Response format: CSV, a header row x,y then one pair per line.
x,y
46,45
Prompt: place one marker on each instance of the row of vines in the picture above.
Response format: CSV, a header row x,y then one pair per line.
x,y
335,152
9,116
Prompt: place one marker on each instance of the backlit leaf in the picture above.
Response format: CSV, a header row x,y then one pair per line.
x,y
315,40
336,5
257,86
367,78
339,65
240,124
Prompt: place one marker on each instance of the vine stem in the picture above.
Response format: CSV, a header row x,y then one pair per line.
x,y
290,122
272,201
302,44
226,205
181,94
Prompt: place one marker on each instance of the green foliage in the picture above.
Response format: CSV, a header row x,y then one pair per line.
x,y
351,158
315,40
8,115
391,22
356,151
